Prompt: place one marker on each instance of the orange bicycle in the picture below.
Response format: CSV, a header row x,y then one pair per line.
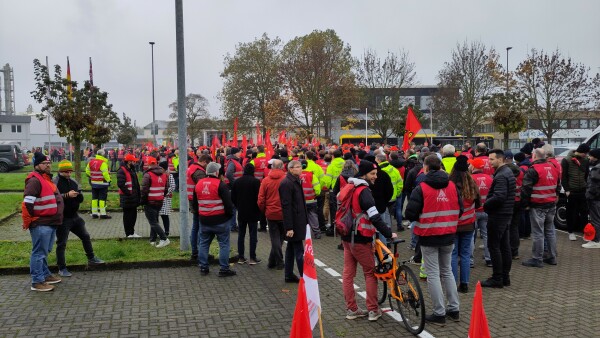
x,y
403,285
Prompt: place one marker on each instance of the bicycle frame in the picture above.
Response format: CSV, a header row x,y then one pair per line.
x,y
383,253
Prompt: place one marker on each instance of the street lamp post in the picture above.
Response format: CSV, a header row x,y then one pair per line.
x,y
153,106
507,49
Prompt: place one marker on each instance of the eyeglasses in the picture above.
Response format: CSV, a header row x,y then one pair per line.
x,y
45,163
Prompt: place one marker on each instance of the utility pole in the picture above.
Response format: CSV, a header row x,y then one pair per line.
x,y
153,109
507,49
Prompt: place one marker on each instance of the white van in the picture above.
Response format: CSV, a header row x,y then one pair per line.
x,y
594,140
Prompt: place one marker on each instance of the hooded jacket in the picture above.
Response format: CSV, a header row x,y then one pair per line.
x,y
437,179
146,186
593,183
244,195
501,196
383,190
367,205
333,171
574,173
268,195
64,185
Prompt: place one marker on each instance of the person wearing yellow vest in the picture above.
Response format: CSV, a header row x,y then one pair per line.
x,y
397,182
97,171
215,210
448,158
173,162
154,188
317,170
129,194
328,180
435,206
42,212
312,189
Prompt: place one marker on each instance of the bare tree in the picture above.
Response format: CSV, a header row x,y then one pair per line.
x,y
381,81
475,72
196,114
556,86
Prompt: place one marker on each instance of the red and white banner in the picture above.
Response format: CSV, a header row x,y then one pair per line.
x,y
310,280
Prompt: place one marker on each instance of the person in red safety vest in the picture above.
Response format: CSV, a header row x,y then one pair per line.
x,y
129,194
435,205
481,152
539,193
154,188
42,212
195,172
215,210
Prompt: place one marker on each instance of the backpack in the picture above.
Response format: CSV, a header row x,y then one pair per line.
x,y
345,223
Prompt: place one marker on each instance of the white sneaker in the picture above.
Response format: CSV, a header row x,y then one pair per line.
x,y
374,315
163,243
591,245
134,236
572,237
153,243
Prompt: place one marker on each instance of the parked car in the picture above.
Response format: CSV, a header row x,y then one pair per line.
x,y
11,157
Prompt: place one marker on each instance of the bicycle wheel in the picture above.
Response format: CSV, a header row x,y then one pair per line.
x,y
382,293
412,305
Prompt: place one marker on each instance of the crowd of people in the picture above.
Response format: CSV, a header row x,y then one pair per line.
x,y
448,199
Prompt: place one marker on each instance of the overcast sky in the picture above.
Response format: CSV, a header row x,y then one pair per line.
x,y
115,33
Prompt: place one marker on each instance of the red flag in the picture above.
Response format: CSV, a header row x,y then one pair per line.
x,y
244,145
479,324
259,140
224,139
213,147
268,145
301,322
91,74
412,128
235,135
281,139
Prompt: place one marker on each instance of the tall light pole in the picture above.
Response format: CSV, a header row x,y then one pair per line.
x,y
507,49
153,107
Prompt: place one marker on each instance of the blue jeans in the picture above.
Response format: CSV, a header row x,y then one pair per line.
x,y
462,251
413,238
388,221
398,209
42,237
294,249
207,234
481,224
194,235
233,219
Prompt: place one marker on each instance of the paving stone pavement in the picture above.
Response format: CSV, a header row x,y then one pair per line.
x,y
555,301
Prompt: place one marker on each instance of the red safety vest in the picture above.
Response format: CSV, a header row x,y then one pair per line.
x,y
45,205
519,182
556,165
440,211
260,164
128,181
158,183
144,163
189,181
307,187
487,167
484,182
120,155
239,171
95,172
468,216
544,191
363,225
171,166
209,201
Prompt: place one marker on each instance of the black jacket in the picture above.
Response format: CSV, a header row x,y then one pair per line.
x,y
293,207
410,177
529,180
501,197
64,185
383,190
225,196
128,200
574,173
437,179
593,184
367,203
244,194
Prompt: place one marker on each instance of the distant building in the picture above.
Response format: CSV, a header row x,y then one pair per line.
x,y
15,128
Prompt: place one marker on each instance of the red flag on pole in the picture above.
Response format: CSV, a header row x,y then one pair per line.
x,y
259,140
281,139
268,145
479,324
412,128
244,145
301,322
234,143
223,139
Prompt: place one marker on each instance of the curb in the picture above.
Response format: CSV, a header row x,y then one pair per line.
x,y
120,265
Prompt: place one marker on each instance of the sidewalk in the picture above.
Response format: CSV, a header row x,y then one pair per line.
x,y
555,301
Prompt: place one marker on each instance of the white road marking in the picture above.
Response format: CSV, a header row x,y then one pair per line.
x,y
332,272
319,263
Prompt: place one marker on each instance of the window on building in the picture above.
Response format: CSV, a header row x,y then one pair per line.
x,y
593,124
583,124
574,124
16,128
535,124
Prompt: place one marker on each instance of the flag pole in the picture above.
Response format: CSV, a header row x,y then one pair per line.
x,y
321,324
366,126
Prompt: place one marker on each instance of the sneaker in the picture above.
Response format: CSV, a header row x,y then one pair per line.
x,y
153,243
374,315
134,236
454,315
356,314
64,273
435,319
516,257
591,245
105,217
227,273
492,283
550,261
94,216
572,237
318,236
204,271
254,261
413,261
242,260
533,263
42,287
95,261
463,288
52,280
163,243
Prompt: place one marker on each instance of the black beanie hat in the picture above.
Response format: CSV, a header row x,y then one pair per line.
x,y
365,167
39,158
461,163
164,165
583,149
595,153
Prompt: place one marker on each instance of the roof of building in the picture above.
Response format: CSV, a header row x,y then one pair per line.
x,y
162,124
15,119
